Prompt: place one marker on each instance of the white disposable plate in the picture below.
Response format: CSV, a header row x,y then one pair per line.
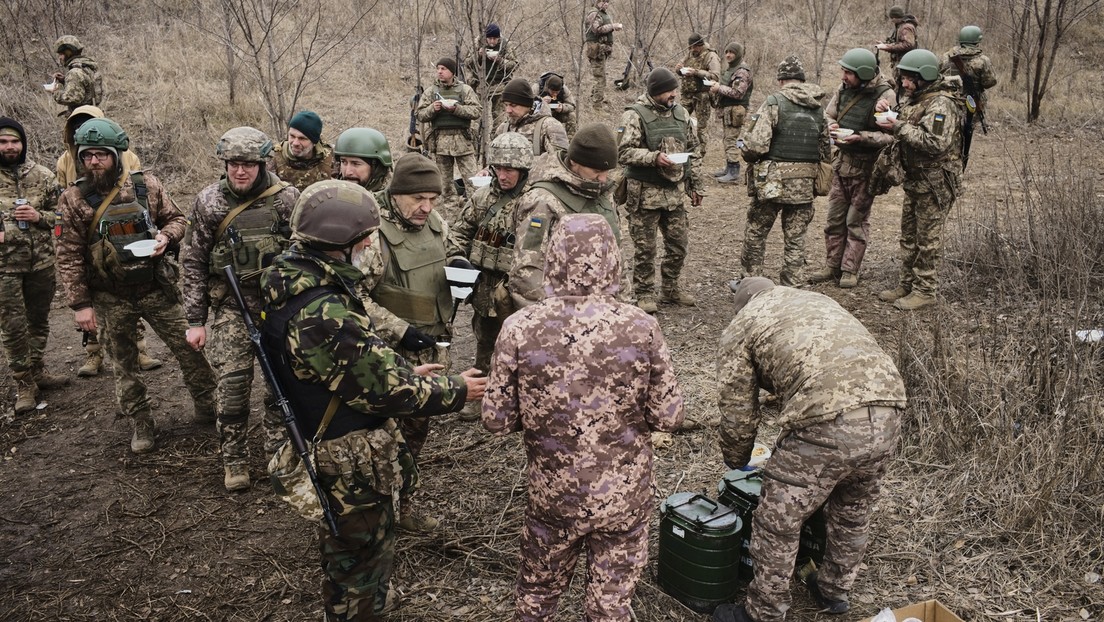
x,y
679,158
449,103
460,293
461,275
481,180
842,132
142,248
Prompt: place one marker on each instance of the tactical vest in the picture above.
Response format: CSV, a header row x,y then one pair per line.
x,y
493,70
656,128
726,79
445,119
857,106
606,37
309,399
577,204
251,240
492,247
796,138
120,224
413,285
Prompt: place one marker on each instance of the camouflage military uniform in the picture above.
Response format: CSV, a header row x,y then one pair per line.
x,y
733,95
565,111
66,167
27,281
119,306
839,425
303,172
590,473
696,97
552,136
848,223
360,459
229,347
537,213
782,184
449,140
654,195
489,76
901,41
930,137
598,28
81,84
975,64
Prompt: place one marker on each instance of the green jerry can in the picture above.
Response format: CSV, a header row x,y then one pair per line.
x,y
741,490
699,551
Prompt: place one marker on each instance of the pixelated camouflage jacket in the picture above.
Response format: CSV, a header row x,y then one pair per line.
x,y
553,136
587,379
535,215
632,150
930,135
976,64
303,172
707,62
212,204
331,342
851,162
449,141
797,177
78,87
30,249
903,39
807,350
73,259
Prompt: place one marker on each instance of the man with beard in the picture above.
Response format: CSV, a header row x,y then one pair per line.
x,y
364,158
105,281
28,196
484,239
303,158
733,94
928,130
701,64
449,107
651,129
80,85
575,181
544,132
241,220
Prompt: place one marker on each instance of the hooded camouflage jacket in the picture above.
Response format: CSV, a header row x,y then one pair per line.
x,y
929,131
303,172
807,350
66,167
79,86
976,64
30,249
760,134
587,379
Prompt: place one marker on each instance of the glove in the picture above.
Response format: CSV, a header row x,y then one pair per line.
x,y
460,262
415,340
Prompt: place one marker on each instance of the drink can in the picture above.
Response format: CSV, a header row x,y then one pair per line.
x,y
22,224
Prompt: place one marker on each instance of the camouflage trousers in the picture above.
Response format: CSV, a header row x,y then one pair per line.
x,y
795,221
922,218
616,556
231,354
732,124
486,331
841,461
25,316
848,223
674,226
464,165
119,315
598,89
701,106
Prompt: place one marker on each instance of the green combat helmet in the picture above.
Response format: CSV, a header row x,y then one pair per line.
x,y
969,35
68,43
364,143
862,62
244,144
333,215
103,133
511,149
921,62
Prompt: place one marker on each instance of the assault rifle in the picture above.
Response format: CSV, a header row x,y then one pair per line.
x,y
290,422
625,81
975,109
414,141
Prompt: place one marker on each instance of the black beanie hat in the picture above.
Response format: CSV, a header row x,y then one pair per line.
x,y
448,63
518,91
493,30
594,146
415,173
661,80
8,122
309,123
554,83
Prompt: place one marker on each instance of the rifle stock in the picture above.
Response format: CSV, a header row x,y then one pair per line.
x,y
292,425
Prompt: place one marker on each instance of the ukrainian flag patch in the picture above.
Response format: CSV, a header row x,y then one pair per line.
x,y
937,125
536,223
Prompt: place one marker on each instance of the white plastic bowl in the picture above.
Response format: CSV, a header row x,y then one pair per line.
x,y
759,454
708,82
492,53
686,71
842,132
481,180
679,158
142,248
888,115
449,103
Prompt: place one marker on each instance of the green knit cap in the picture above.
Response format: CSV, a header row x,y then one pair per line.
x,y
415,173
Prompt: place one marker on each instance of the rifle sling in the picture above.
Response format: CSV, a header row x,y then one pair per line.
x,y
244,205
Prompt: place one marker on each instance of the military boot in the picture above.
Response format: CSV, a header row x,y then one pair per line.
x,y
26,392
892,295
723,171
235,477
647,304
145,361
472,412
414,521
46,380
914,301
827,273
733,174
94,363
143,440
676,296
827,605
848,280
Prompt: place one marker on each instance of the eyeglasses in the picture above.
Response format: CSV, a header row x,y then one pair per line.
x,y
88,156
245,166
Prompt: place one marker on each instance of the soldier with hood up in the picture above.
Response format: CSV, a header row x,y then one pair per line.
x,y
303,158
80,84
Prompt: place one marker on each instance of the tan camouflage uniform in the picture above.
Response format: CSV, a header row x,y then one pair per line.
x,y
552,137
228,344
661,206
489,76
303,172
696,97
839,424
732,116
565,113
587,379
598,28
449,146
789,184
900,42
977,66
79,86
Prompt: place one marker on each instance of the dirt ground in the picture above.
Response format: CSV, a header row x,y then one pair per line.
x,y
90,531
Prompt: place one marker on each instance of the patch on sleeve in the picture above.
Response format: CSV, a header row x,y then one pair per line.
x,y
534,234
536,223
937,125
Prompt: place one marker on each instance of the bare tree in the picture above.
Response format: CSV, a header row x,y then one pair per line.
x,y
1050,23
822,16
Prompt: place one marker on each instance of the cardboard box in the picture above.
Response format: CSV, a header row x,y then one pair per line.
x,y
927,611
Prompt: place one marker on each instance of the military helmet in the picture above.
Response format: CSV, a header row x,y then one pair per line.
x,y
511,149
969,35
365,143
922,62
333,215
68,42
102,133
862,62
244,144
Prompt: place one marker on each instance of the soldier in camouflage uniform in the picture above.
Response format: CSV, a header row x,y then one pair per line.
x,y
598,29
732,94
449,108
651,129
326,351
701,63
543,131
81,84
28,197
575,182
364,158
788,136
840,420
490,67
929,132
105,282
852,108
901,41
973,70
484,237
553,363
303,158
240,220
559,102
